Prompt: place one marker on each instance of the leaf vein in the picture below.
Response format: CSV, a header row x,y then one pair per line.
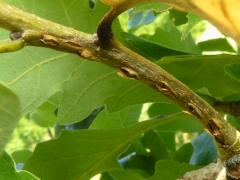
x,y
36,66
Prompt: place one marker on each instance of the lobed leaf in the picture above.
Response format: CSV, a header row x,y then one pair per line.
x,y
208,72
84,153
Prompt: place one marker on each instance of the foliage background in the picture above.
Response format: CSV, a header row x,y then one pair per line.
x,y
88,117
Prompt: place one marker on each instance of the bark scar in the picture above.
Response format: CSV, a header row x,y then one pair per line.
x,y
128,73
163,87
215,130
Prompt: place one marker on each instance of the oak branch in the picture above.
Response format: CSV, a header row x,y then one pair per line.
x,y
29,29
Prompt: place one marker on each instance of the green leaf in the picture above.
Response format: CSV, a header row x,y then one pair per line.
x,y
76,14
93,85
170,170
184,153
157,8
164,33
8,171
169,139
234,120
147,48
35,74
21,156
183,122
127,174
46,114
193,27
155,144
206,72
87,122
143,165
163,109
35,78
179,17
233,70
82,153
220,44
122,118
106,176
9,114
137,147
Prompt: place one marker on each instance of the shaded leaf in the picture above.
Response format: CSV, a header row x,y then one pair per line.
x,y
163,109
136,147
122,118
106,176
89,156
87,122
169,140
178,17
127,174
147,48
143,165
183,122
206,72
156,145
184,153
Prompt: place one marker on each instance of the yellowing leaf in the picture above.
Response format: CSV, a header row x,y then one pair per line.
x,y
224,14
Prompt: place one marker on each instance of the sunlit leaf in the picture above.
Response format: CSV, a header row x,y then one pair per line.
x,y
9,114
161,32
170,170
93,85
8,171
35,74
21,156
220,44
233,71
